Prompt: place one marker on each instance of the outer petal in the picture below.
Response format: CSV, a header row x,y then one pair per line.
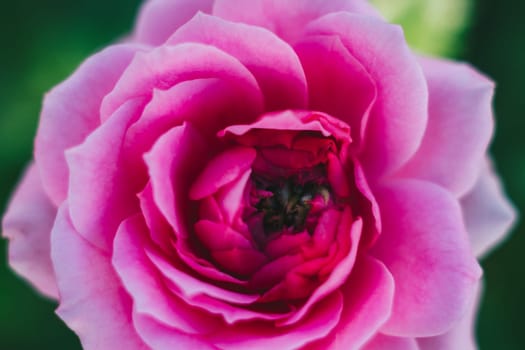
x,y
384,342
102,183
269,13
27,224
461,337
271,61
488,214
167,66
158,19
173,163
209,104
426,248
92,301
322,319
161,337
398,118
71,112
337,83
459,126
144,284
368,302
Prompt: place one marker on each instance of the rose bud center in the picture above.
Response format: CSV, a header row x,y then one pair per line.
x,y
288,205
276,205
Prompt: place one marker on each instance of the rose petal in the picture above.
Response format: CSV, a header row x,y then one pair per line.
x,y
368,295
269,13
369,207
337,83
218,236
158,19
398,119
340,273
71,112
165,66
102,184
161,337
274,271
383,342
241,262
173,163
209,104
221,170
459,126
282,121
271,61
286,244
338,176
176,156
262,336
143,283
206,296
230,199
27,224
425,246
488,214
190,286
92,301
461,337
159,229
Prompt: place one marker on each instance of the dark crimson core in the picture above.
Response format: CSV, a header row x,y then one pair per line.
x,y
289,204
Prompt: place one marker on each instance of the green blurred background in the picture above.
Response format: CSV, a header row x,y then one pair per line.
x,y
43,41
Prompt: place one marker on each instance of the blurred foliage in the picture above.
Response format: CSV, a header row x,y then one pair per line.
x,y
434,27
43,42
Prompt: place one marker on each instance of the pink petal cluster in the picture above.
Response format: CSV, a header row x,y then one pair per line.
x,y
262,174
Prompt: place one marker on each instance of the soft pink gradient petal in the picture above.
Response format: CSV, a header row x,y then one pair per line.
x,y
272,62
221,170
461,337
92,300
144,284
158,19
263,335
368,295
459,127
27,224
173,163
262,133
102,184
192,287
385,342
370,209
206,296
165,66
160,231
71,112
399,116
230,199
337,83
425,246
209,104
488,214
161,337
285,18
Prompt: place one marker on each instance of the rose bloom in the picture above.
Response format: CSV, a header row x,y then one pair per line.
x,y
262,175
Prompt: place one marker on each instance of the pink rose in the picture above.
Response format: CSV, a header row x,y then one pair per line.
x,y
262,174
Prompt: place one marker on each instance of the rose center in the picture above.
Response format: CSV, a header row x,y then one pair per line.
x,y
289,205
